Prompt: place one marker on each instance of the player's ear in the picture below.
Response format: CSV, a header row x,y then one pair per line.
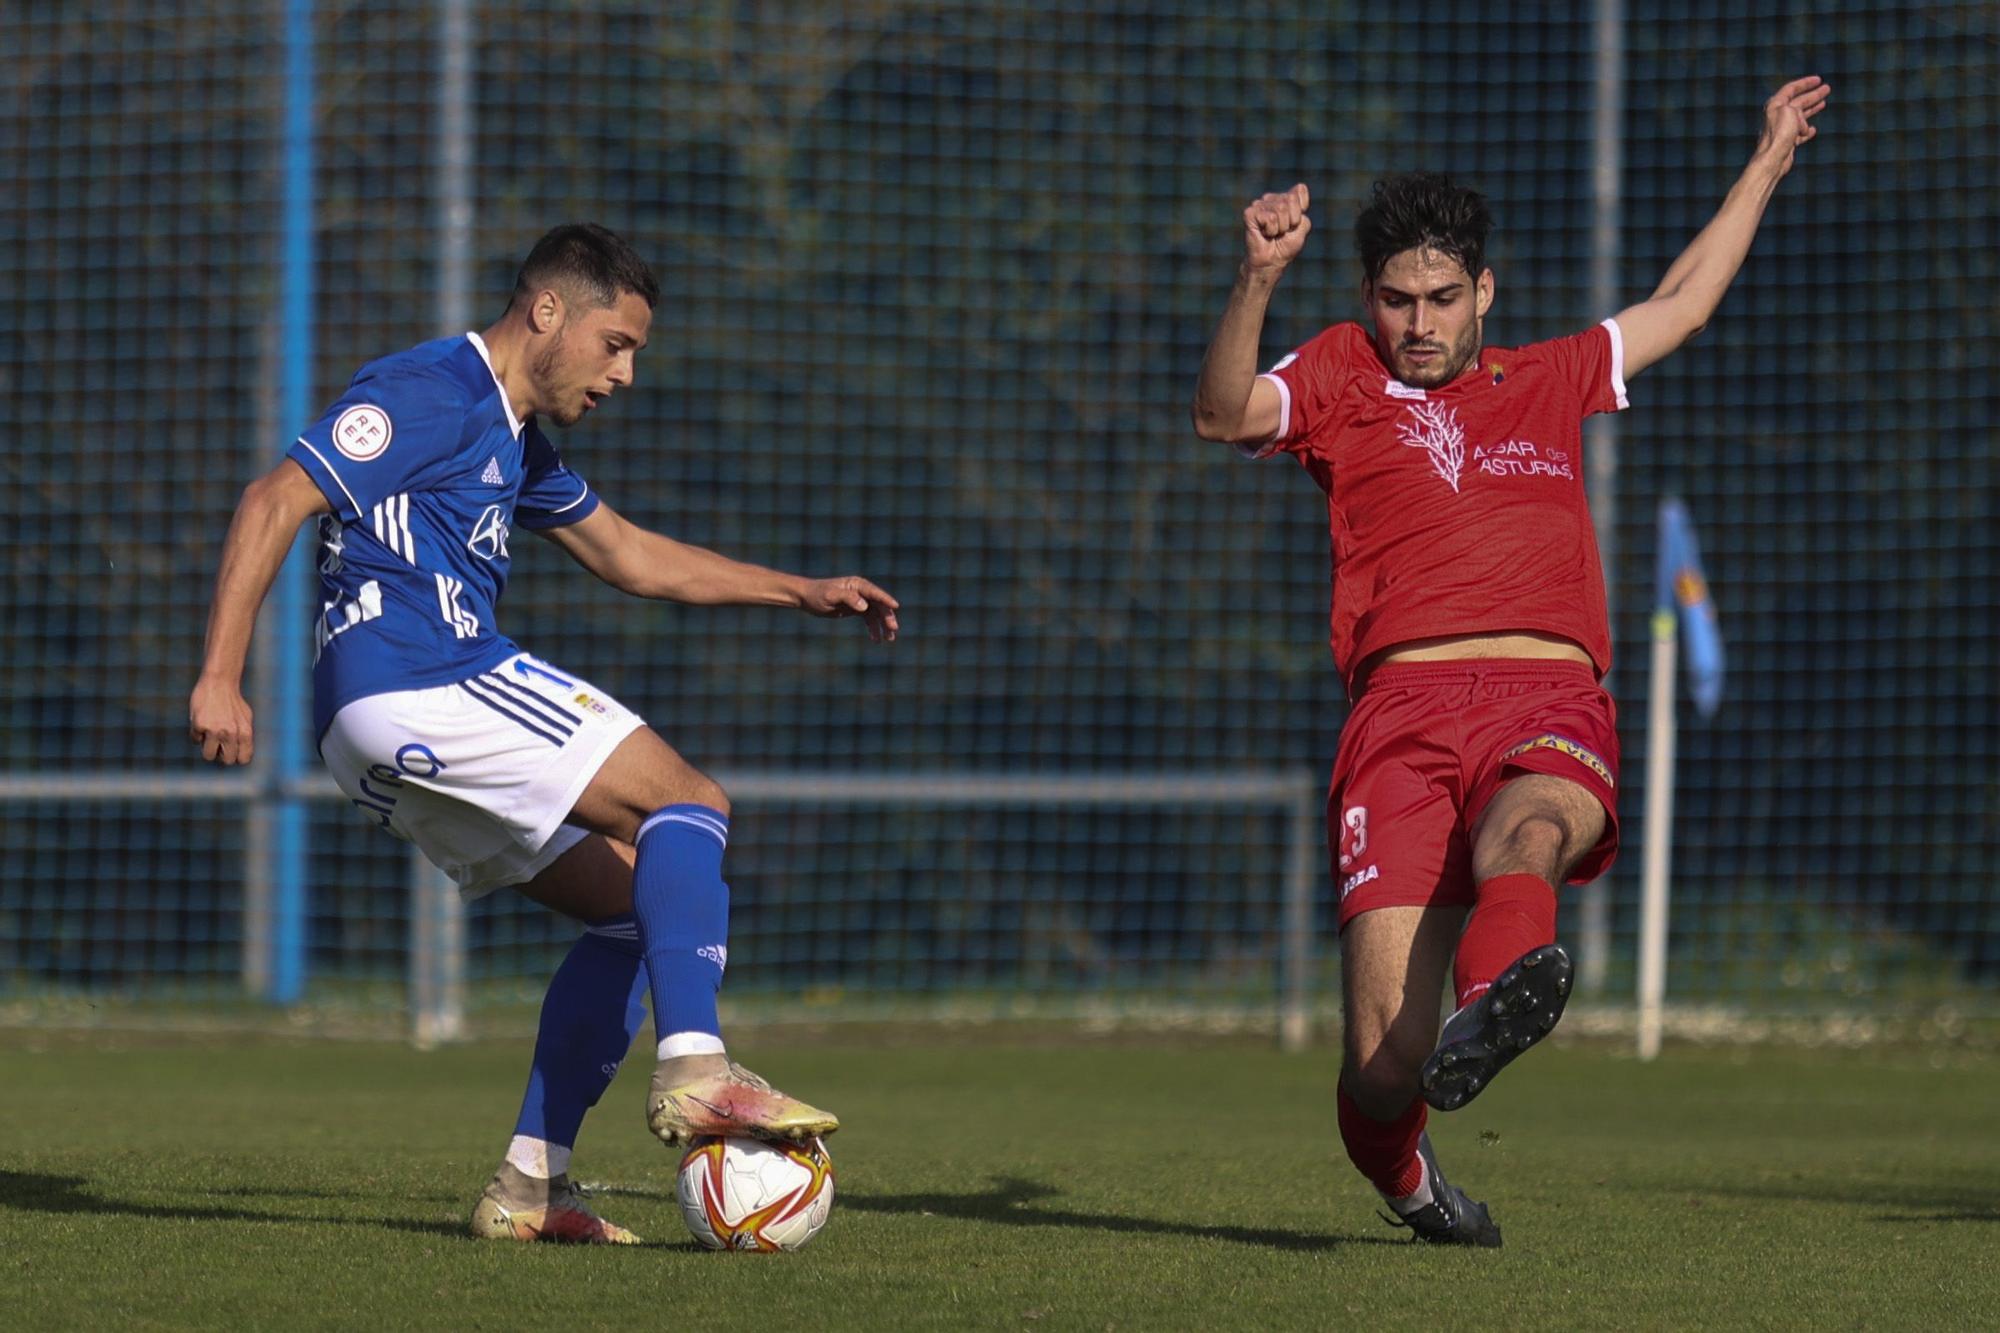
x,y
545,311
1484,292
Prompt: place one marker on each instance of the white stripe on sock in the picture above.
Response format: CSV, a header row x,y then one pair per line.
x,y
710,822
713,823
708,825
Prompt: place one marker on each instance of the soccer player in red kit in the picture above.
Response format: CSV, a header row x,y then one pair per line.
x,y
1478,769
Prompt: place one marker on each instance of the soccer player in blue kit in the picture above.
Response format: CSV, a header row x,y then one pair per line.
x,y
504,769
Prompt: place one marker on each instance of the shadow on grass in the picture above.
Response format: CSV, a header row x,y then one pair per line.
x,y
261,1192
35,1193
1010,1202
1915,1201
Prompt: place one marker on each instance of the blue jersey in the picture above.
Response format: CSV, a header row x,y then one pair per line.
x,y
427,471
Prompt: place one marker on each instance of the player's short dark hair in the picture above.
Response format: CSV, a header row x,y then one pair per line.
x,y
590,259
1422,209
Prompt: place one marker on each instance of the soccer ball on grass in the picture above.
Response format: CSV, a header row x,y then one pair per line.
x,y
744,1194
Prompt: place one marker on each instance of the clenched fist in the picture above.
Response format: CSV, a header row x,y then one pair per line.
x,y
219,722
1275,227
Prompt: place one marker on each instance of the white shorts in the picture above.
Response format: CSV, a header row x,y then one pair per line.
x,y
479,775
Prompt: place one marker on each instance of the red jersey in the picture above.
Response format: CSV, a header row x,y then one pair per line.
x,y
1456,510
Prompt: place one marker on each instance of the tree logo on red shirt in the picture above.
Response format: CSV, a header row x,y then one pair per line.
x,y
1436,430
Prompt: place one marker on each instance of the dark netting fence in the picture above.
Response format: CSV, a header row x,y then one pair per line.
x,y
937,281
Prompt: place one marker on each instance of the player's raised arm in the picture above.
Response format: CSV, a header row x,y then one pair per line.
x,y
647,564
267,519
1230,402
1694,284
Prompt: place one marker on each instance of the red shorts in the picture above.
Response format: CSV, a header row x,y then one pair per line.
x,y
1430,743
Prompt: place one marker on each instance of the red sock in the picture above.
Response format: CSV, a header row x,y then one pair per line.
x,y
1514,913
1385,1151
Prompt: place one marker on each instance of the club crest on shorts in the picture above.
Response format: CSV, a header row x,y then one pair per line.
x,y
362,432
1548,740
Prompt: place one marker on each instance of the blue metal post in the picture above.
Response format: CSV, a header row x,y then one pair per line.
x,y
288,729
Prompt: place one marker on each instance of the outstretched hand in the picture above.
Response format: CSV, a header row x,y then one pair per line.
x,y
1787,120
1275,227
853,596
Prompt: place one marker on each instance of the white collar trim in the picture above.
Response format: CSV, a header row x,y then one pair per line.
x,y
506,403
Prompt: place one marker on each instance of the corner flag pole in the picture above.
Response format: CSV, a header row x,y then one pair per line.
x,y
1681,605
1659,831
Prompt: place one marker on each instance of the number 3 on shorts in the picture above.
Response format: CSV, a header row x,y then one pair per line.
x,y
1353,835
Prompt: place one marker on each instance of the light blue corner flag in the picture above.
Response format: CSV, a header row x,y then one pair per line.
x,y
1681,588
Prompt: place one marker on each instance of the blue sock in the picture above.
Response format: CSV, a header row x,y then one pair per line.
x,y
593,1010
683,910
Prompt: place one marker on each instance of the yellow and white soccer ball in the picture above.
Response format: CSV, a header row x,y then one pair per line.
x,y
744,1194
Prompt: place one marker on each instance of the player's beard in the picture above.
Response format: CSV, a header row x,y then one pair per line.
x,y
1447,368
546,372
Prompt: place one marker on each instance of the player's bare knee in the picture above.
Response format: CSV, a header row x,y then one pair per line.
x,y
717,799
681,783
705,790
1536,844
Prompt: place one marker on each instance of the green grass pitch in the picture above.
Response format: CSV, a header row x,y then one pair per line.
x,y
233,1182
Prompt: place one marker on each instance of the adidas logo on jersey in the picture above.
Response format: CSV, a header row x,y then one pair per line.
x,y
491,476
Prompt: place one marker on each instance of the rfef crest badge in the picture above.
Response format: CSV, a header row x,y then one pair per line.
x,y
362,432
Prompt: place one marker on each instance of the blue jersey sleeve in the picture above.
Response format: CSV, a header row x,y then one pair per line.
x,y
385,436
552,496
